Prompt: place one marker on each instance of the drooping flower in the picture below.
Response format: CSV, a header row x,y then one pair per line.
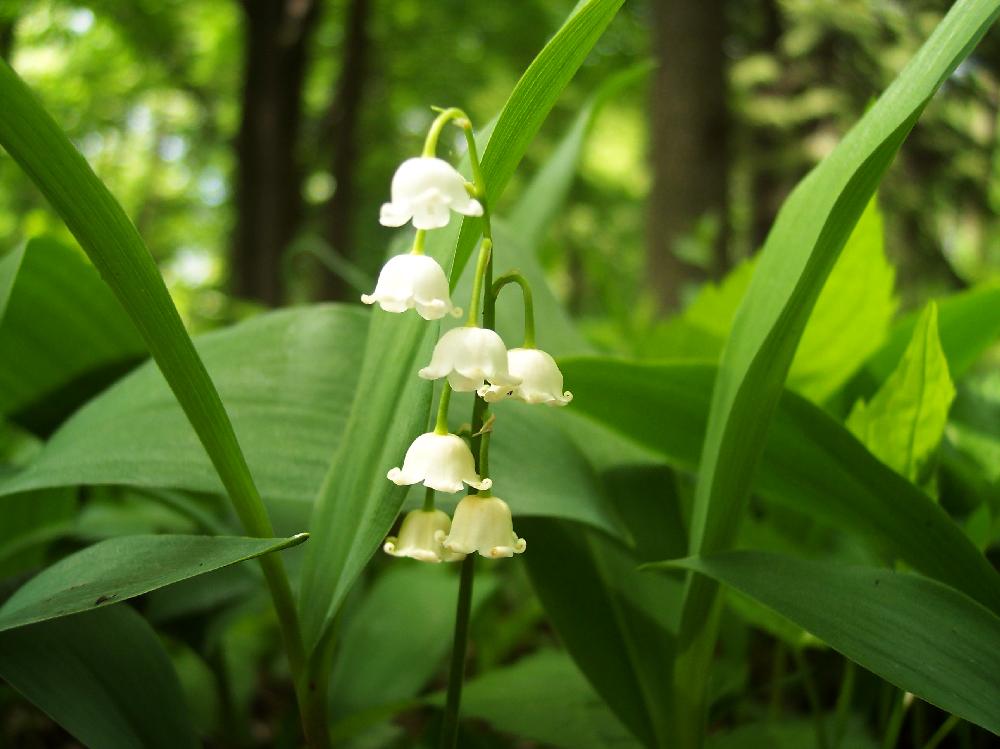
x,y
541,380
426,189
440,461
484,525
470,357
413,281
418,537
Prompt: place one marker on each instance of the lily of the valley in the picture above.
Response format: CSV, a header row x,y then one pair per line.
x,y
470,357
440,461
541,380
413,281
483,525
419,537
426,189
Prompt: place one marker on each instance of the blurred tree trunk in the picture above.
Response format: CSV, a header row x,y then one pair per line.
x,y
8,25
268,182
689,135
343,120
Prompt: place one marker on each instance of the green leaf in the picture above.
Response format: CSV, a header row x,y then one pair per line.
x,y
30,521
916,633
903,424
103,676
543,697
810,463
42,150
63,338
121,568
530,102
800,251
356,507
790,733
850,321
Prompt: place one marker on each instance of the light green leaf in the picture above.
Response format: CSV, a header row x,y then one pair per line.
x,y
801,250
810,463
103,676
903,424
63,338
356,507
916,633
121,568
543,697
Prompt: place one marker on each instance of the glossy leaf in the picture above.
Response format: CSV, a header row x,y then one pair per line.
x,y
905,420
810,463
103,676
64,335
544,697
916,633
800,251
120,568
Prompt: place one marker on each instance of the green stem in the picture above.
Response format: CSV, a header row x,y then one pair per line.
x,y
895,723
484,461
517,277
456,671
418,242
429,500
844,702
441,424
942,733
446,116
813,696
485,255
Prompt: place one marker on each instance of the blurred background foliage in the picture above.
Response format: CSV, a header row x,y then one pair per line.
x,y
252,141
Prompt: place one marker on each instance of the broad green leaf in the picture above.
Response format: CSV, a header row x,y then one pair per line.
x,y
903,423
63,338
968,323
579,581
810,463
30,521
103,676
800,251
290,378
10,264
916,633
850,321
355,508
544,697
396,639
788,733
121,568
529,103
42,150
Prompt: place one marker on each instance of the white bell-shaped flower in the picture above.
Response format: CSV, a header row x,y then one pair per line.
x,y
541,380
418,537
426,189
484,525
413,282
470,357
440,461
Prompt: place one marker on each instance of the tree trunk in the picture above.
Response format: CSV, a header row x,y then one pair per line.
x,y
689,133
268,182
344,118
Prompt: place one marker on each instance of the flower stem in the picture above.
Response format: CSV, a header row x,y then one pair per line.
x,y
429,500
445,116
517,277
484,461
441,425
942,733
456,671
485,255
418,242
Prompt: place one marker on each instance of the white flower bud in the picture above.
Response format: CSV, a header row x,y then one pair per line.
x,y
426,189
469,357
541,380
418,537
440,461
413,282
484,525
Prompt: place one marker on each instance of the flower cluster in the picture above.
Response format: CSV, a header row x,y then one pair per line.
x,y
471,359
